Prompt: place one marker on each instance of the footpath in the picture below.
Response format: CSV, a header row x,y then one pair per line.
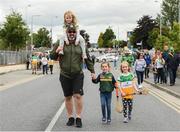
x,y
10,68
173,90
17,74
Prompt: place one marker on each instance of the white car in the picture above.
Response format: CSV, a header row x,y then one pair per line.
x,y
107,57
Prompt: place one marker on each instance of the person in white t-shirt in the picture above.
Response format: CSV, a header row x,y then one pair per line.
x,y
44,61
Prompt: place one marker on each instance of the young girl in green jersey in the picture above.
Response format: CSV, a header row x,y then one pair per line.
x,y
127,88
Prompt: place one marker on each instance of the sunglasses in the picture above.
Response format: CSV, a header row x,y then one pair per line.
x,y
71,31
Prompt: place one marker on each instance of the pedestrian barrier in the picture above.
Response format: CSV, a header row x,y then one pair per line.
x,y
13,57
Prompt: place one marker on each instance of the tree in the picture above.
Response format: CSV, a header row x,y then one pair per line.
x,y
14,32
174,36
170,12
42,38
153,35
160,41
141,32
108,37
2,45
100,40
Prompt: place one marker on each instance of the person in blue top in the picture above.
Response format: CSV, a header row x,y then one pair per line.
x,y
165,56
147,58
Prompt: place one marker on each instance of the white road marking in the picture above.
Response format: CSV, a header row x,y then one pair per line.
x,y
168,103
55,118
164,97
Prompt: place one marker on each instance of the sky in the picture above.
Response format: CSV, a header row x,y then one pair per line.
x,y
94,16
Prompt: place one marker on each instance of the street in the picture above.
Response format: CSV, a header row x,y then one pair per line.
x,y
33,106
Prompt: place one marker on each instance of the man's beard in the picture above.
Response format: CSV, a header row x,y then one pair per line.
x,y
71,38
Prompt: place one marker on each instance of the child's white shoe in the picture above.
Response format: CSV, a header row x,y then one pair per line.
x,y
140,86
125,120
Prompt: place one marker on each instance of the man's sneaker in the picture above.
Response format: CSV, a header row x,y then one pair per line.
x,y
78,122
70,121
125,120
103,120
109,121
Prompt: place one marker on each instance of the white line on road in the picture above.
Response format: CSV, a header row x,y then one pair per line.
x,y
55,118
168,103
164,97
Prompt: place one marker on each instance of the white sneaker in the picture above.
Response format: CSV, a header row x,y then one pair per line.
x,y
125,120
140,86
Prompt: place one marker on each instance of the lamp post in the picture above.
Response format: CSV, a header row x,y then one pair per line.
x,y
179,12
51,30
27,13
179,16
160,21
32,17
27,22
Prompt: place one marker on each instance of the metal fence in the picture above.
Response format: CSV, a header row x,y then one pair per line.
x,y
13,57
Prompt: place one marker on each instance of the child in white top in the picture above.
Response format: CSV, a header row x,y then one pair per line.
x,y
69,19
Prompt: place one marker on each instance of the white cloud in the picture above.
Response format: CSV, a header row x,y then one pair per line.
x,y
93,15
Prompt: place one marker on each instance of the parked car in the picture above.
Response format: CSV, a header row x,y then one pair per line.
x,y
107,57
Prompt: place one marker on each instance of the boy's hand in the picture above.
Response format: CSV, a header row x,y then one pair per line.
x,y
116,84
93,76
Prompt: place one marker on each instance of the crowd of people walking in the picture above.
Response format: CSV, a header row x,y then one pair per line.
x,y
72,54
163,64
40,62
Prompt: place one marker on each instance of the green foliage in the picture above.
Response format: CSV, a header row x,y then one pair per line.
x,y
2,45
141,32
120,43
174,36
100,40
106,39
152,36
170,11
123,43
160,41
42,38
108,36
14,32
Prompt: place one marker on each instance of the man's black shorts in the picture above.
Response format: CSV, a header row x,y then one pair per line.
x,y
72,85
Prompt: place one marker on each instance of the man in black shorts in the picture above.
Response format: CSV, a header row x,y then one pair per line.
x,y
71,75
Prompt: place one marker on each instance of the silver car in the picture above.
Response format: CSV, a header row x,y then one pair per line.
x,y
107,57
